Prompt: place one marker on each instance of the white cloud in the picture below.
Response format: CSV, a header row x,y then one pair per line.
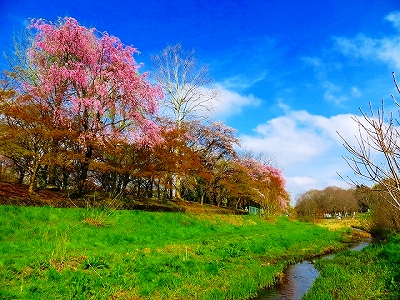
x,y
242,82
299,136
307,147
303,180
333,93
355,92
225,104
385,49
394,18
331,97
231,103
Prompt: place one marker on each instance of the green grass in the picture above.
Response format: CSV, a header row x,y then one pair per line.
x,y
372,273
49,253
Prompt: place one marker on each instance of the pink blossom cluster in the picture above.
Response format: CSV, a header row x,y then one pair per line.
x,y
91,80
261,172
268,176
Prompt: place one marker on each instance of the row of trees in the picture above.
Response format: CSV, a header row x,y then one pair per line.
x,y
329,202
75,114
334,202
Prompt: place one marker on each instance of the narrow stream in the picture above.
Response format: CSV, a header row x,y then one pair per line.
x,y
299,278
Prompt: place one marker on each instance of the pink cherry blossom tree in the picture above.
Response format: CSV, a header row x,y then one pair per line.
x,y
89,83
268,184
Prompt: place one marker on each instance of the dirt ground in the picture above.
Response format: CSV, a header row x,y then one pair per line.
x,y
17,194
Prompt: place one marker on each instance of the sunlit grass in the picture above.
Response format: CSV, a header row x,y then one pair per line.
x,y
361,220
372,273
49,253
335,224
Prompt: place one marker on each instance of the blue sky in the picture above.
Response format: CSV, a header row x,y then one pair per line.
x,y
290,73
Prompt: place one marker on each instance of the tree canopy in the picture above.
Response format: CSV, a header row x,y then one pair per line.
x,y
76,114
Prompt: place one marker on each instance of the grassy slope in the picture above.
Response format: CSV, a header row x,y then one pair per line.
x,y
52,253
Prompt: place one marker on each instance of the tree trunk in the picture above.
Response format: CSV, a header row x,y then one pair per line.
x,y
218,199
52,176
202,197
158,189
32,181
237,203
150,188
65,176
138,187
21,176
84,169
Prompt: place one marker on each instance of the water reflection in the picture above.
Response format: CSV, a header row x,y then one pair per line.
x,y
364,243
299,278
296,282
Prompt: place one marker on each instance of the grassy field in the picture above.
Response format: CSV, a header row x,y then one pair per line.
x,y
55,253
372,273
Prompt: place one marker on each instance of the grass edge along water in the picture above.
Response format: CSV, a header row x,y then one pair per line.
x,y
372,273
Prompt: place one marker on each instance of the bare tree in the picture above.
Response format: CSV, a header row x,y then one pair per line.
x,y
188,96
376,157
187,88
261,157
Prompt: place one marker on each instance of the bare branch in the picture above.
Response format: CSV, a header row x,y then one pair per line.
x,y
188,95
395,82
375,157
